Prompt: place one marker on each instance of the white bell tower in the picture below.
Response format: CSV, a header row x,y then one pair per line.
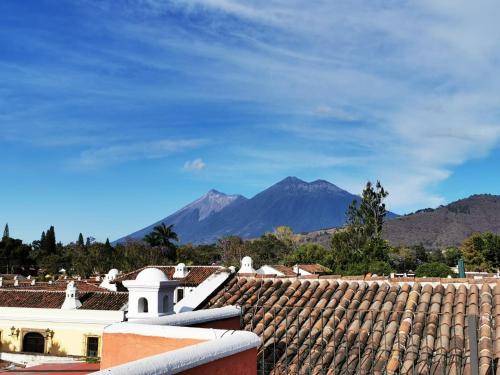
x,y
247,265
150,295
71,301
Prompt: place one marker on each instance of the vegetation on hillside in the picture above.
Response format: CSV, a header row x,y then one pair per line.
x,y
358,248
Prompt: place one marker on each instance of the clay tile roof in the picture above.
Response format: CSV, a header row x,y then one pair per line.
x,y
54,299
314,268
285,270
339,326
82,286
196,275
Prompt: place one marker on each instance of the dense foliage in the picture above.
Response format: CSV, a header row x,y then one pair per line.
x,y
433,269
356,249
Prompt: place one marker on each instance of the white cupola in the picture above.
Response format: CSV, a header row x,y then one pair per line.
x,y
108,280
181,271
247,265
71,301
150,295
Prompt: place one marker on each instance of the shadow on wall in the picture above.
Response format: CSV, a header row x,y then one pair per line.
x,y
7,346
55,349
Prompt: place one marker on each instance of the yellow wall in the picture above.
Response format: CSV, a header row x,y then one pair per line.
x,y
71,328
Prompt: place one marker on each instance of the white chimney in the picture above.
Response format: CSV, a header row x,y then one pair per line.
x,y
33,282
180,271
150,295
247,265
16,281
108,281
71,301
1,281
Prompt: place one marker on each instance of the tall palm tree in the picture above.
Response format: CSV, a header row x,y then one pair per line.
x,y
162,237
151,239
165,235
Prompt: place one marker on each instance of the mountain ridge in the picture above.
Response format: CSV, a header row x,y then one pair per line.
x,y
293,202
446,225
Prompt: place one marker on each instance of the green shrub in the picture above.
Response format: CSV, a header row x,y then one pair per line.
x,y
433,269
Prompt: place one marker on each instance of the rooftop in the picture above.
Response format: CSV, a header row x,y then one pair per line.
x,y
196,275
372,325
53,299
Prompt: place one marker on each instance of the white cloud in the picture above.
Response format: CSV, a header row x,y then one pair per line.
x,y
194,165
115,154
401,91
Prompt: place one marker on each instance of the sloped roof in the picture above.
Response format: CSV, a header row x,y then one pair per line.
x,y
196,275
367,326
285,270
54,299
314,268
83,286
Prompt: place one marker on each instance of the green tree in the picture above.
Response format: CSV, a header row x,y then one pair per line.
x,y
361,239
481,252
6,233
376,267
433,269
50,241
163,237
309,253
199,255
231,249
80,241
452,255
266,250
285,234
14,256
403,259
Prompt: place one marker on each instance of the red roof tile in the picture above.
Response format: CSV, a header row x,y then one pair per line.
x,y
196,275
54,299
358,327
314,268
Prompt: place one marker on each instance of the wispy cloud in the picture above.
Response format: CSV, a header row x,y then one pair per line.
x,y
106,156
404,92
194,165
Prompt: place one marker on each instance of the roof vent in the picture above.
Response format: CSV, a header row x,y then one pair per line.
x,y
247,265
181,271
71,301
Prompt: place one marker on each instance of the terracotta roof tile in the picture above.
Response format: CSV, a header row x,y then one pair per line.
x,y
285,270
83,286
54,299
196,275
314,268
344,326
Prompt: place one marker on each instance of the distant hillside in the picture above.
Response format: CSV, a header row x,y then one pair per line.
x,y
303,206
447,225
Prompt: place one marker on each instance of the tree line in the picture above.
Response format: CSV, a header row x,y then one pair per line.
x,y
357,248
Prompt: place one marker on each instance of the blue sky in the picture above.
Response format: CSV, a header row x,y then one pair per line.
x,y
114,114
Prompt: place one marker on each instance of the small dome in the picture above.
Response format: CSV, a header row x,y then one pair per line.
x,y
151,275
246,259
112,274
113,271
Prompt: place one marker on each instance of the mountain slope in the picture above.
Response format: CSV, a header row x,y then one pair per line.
x,y
187,218
301,205
447,225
